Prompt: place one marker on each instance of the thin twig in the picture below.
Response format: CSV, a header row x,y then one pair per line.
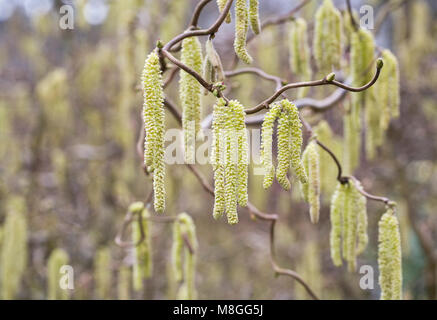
x,y
196,14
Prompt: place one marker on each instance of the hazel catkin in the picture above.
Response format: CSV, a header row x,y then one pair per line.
x,y
241,26
154,126
254,16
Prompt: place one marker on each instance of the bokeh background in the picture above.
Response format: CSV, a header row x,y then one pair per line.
x,y
70,110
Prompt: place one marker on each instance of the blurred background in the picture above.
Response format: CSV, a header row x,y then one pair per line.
x,y
70,117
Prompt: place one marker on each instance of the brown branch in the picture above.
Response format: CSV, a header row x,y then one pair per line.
x,y
369,196
325,81
195,33
196,14
277,80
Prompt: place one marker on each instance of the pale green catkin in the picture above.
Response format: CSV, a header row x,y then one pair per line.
x,y
221,5
184,227
266,144
336,217
254,16
189,94
142,267
217,160
123,283
103,273
348,224
362,55
229,156
313,182
387,89
154,125
361,208
300,53
389,257
351,138
327,37
284,152
57,259
241,26
14,248
289,144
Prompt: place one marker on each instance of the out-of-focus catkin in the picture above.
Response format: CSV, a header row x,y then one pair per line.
x,y
185,248
141,237
312,190
327,37
189,94
241,26
154,126
14,248
57,259
300,53
103,273
266,144
389,257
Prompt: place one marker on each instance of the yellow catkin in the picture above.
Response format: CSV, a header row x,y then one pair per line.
x,y
217,158
266,146
389,257
360,203
351,139
313,181
336,217
57,259
103,273
123,283
327,38
300,57
189,93
154,125
241,26
243,156
284,151
347,223
254,16
185,247
221,5
14,248
142,267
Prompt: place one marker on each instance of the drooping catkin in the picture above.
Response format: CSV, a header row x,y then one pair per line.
x,y
336,217
142,267
229,157
123,283
389,257
185,247
154,125
189,94
254,16
267,142
313,189
241,26
221,5
217,155
362,53
351,137
327,37
361,208
387,89
309,267
300,53
14,248
103,273
57,259
217,72
284,151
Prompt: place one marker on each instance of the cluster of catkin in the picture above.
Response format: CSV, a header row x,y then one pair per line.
x,y
184,249
229,157
13,248
289,135
348,237
327,37
244,16
190,93
142,267
390,257
154,126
